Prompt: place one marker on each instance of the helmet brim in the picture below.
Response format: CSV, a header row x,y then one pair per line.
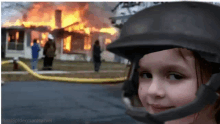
x,y
131,46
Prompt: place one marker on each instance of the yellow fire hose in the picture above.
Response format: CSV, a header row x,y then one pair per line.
x,y
75,80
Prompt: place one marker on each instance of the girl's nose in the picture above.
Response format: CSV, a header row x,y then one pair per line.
x,y
156,89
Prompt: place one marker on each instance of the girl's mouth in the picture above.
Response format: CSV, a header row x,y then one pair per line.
x,y
159,108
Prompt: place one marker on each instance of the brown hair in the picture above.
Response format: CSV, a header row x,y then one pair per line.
x,y
204,71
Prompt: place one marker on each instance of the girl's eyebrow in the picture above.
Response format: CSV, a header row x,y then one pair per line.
x,y
167,67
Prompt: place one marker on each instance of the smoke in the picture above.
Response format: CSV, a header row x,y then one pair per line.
x,y
99,13
11,11
98,17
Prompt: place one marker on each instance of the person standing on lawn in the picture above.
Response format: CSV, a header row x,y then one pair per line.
x,y
35,51
96,56
49,53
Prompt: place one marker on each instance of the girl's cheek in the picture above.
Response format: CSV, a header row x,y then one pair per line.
x,y
141,94
180,97
140,89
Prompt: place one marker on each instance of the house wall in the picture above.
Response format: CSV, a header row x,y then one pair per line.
x,y
105,55
59,48
77,46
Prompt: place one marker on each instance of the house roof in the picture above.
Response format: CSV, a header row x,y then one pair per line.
x,y
62,33
40,28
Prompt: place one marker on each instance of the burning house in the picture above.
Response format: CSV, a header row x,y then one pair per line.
x,y
75,27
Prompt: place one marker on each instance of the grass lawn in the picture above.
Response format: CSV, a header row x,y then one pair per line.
x,y
67,66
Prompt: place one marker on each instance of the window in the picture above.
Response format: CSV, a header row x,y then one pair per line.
x,y
87,43
40,36
67,44
15,39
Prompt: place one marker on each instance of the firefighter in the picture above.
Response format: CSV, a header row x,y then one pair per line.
x,y
175,53
49,52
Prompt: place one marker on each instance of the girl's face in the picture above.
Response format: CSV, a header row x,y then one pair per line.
x,y
167,79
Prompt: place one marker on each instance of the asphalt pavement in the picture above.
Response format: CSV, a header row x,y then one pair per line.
x,y
46,102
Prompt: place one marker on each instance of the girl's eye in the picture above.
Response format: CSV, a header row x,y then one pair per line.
x,y
175,77
145,75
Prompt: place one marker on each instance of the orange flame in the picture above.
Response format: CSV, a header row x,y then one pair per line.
x,y
67,43
87,42
17,35
72,20
43,38
9,39
111,31
108,41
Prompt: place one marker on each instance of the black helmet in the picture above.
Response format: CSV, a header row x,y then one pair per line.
x,y
191,25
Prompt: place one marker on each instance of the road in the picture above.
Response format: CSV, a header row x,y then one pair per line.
x,y
45,102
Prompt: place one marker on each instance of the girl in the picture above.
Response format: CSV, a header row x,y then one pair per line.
x,y
175,49
170,78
